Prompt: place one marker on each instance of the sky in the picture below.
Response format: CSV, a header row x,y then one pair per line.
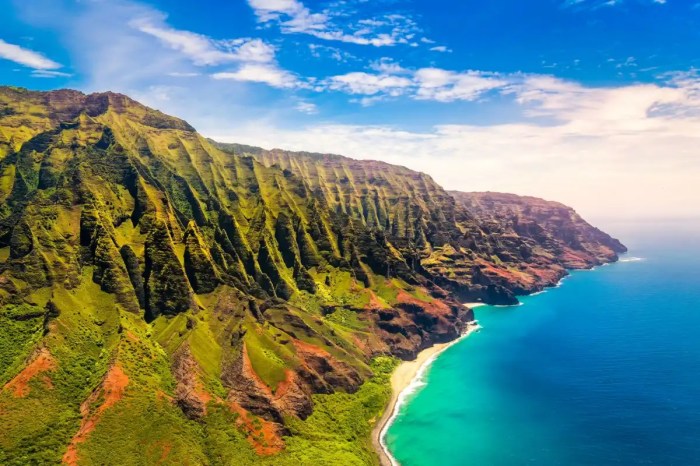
x,y
594,103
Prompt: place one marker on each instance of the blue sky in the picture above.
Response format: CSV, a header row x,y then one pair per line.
x,y
591,102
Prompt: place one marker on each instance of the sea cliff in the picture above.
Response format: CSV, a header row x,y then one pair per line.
x,y
166,297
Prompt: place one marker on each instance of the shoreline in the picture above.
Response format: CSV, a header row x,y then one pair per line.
x,y
402,379
409,372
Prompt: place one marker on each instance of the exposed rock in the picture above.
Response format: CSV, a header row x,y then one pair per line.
x,y
552,226
190,395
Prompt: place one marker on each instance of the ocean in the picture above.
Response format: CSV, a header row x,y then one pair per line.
x,y
603,370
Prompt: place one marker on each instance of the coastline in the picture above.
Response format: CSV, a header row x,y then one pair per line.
x,y
409,372
402,379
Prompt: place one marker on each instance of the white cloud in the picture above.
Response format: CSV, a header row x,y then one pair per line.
x,y
307,107
108,53
26,57
369,101
251,50
380,40
163,93
440,48
50,74
369,84
257,57
590,4
300,18
608,151
423,84
202,50
632,109
388,66
260,73
449,86
333,25
183,74
321,51
272,9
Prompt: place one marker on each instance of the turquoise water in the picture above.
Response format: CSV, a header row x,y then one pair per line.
x,y
604,370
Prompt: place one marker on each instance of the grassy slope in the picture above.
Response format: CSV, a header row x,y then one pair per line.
x,y
142,269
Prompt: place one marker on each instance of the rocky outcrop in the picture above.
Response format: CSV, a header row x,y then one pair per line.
x,y
548,225
190,394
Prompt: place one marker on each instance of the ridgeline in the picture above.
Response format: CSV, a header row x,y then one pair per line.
x,y
166,299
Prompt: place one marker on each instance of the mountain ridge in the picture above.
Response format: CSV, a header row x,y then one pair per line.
x,y
463,226
207,307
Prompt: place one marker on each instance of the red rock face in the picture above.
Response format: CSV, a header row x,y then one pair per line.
x,y
108,393
41,363
553,228
412,325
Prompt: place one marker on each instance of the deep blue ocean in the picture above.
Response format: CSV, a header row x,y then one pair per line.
x,y
603,370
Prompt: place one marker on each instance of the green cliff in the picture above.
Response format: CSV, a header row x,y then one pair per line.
x,y
468,248
168,300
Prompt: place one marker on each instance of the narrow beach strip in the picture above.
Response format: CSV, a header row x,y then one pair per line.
x,y
407,377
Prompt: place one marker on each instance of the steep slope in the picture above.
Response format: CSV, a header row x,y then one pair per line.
x,y
551,227
474,256
168,300
414,213
163,300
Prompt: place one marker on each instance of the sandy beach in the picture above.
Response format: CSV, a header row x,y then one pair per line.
x,y
401,379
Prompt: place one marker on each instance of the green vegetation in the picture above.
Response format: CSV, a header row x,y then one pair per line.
x,y
161,292
166,299
338,432
20,329
264,354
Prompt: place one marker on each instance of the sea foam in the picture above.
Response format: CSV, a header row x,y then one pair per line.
x,y
632,259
